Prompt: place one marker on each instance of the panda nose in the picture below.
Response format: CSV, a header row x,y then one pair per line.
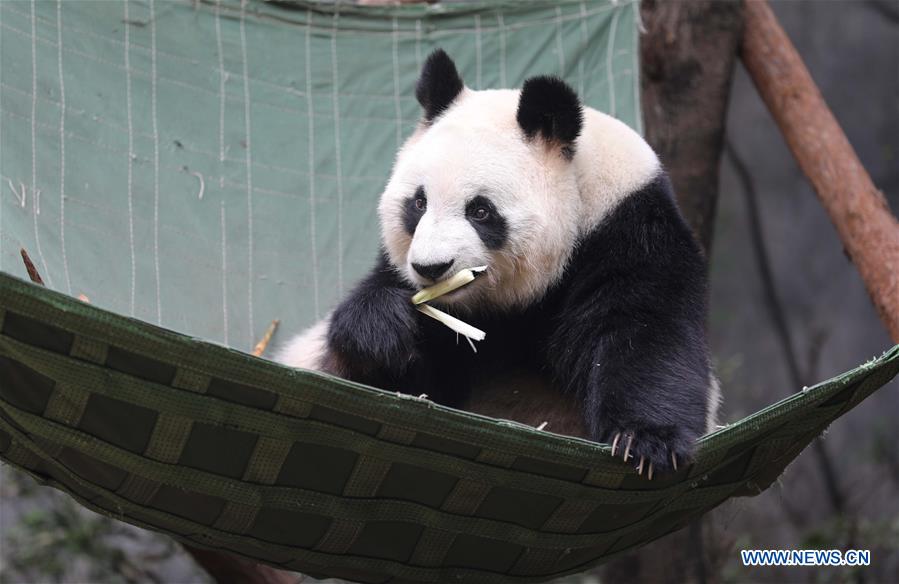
x,y
432,271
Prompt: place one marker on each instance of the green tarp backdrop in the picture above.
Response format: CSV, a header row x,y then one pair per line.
x,y
205,167
209,167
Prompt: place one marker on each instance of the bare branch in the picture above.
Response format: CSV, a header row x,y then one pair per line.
x,y
867,228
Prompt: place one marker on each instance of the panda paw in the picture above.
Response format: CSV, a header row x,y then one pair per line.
x,y
376,336
652,450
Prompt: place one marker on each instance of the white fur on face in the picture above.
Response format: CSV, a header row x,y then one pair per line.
x,y
444,235
548,202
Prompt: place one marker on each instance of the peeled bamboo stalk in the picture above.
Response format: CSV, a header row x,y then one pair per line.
x,y
463,328
458,280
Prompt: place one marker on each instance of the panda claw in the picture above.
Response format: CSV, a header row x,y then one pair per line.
x,y
615,443
648,454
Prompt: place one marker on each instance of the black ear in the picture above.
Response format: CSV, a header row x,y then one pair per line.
x,y
549,107
438,85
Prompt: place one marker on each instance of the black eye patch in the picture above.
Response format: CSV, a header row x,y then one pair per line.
x,y
413,210
492,229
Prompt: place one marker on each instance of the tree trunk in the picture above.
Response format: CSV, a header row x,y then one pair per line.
x,y
688,54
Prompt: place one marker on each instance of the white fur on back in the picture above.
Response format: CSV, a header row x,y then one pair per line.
x,y
612,161
714,399
306,350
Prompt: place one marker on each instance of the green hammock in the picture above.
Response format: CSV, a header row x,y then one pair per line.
x,y
311,473
209,167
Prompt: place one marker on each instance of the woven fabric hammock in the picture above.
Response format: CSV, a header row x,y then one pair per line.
x,y
315,474
208,167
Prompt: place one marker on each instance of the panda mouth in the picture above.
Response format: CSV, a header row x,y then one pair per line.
x,y
458,298
454,293
450,288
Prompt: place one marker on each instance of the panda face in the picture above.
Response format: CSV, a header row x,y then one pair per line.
x,y
470,188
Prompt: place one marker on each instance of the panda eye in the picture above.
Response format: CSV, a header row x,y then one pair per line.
x,y
480,214
421,203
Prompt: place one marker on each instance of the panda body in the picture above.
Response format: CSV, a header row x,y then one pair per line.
x,y
594,301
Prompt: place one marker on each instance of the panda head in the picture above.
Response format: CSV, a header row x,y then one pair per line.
x,y
487,179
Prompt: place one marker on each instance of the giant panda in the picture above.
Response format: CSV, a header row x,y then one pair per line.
x,y
594,301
